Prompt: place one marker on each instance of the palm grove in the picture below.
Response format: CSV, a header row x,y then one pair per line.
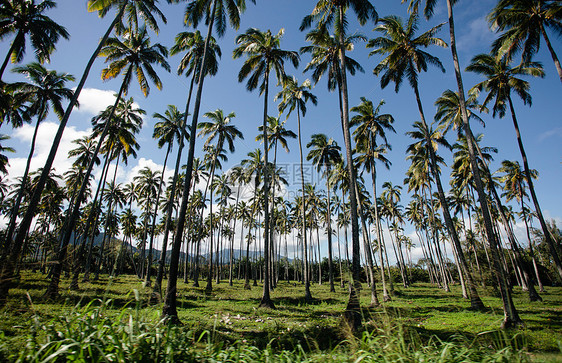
x,y
208,231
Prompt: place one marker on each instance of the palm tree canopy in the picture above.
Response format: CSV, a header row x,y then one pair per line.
x,y
264,54
46,87
136,55
169,127
325,56
295,96
501,80
449,110
401,47
276,133
193,44
219,129
133,9
26,17
325,12
324,153
523,23
196,10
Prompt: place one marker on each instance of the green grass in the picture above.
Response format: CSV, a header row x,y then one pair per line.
x,y
421,320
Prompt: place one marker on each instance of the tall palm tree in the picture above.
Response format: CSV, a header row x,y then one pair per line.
x,y
501,81
324,154
25,17
405,59
167,130
133,55
4,158
220,133
428,10
264,55
370,126
215,13
45,90
103,7
325,14
524,22
295,96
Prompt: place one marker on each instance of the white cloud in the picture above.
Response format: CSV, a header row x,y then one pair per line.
x,y
46,134
557,132
478,33
93,100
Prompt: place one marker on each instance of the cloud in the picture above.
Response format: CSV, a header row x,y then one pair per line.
x,y
557,132
93,101
46,134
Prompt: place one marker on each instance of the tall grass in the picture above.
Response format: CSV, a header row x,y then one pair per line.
x,y
95,333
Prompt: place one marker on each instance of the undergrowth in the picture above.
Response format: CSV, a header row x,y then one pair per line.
x,y
95,333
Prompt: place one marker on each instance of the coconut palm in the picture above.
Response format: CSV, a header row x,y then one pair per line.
x,y
428,11
501,81
295,96
215,13
4,158
524,22
220,133
324,154
405,59
27,18
370,126
325,14
264,55
132,55
103,7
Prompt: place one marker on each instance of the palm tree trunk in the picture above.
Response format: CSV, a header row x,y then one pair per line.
x,y
21,192
307,294
544,227
169,309
511,317
329,222
17,39
386,296
266,299
550,49
5,273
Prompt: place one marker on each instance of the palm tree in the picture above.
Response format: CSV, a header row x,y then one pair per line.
x,y
264,55
103,7
219,132
27,18
215,13
294,96
428,11
371,125
501,81
324,154
167,130
405,59
524,22
133,55
326,13
4,158
47,89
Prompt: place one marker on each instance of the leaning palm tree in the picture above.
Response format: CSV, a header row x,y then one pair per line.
x,y
103,7
26,18
264,55
428,12
370,126
295,96
324,154
134,55
501,81
215,13
524,22
326,14
405,59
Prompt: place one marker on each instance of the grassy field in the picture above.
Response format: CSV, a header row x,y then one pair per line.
x,y
419,317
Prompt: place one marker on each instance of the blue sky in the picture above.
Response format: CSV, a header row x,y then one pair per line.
x,y
540,124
